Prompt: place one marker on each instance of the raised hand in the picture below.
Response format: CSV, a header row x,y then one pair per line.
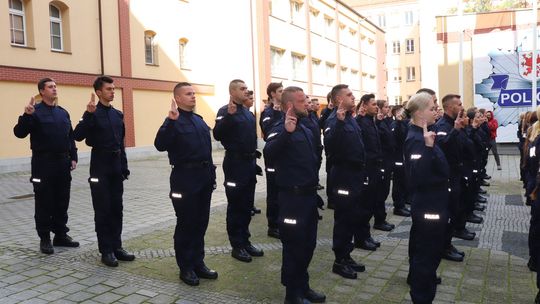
x,y
277,107
231,107
290,120
29,108
380,116
341,112
173,112
429,136
476,122
91,106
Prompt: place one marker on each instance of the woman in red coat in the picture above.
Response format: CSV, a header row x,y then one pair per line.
x,y
493,124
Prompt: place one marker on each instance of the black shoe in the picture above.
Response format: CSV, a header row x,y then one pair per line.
x,y
366,245
45,246
344,270
273,232
330,206
384,226
481,199
123,255
438,280
402,211
109,259
241,254
482,191
314,297
537,299
189,277
358,267
452,256
464,235
478,207
454,249
372,240
206,273
475,219
531,264
295,300
320,187
253,251
64,241
484,183
256,210
486,176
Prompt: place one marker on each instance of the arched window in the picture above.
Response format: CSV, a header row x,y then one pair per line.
x,y
183,53
56,28
150,47
17,22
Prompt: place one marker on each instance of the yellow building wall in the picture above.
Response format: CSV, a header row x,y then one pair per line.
x,y
72,98
83,38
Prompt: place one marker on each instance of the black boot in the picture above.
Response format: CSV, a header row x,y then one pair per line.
x,y
45,246
314,297
123,255
109,259
344,270
64,240
189,277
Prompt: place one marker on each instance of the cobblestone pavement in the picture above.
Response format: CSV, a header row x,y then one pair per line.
x,y
494,270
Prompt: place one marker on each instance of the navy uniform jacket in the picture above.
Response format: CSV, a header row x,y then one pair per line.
x,y
449,140
294,155
399,130
370,135
312,123
427,172
188,145
324,116
104,131
50,130
269,117
344,144
472,149
388,143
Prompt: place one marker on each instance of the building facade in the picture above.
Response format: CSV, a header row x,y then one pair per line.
x,y
149,46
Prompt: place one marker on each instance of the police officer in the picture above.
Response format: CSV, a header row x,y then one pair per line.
x,y
236,130
325,113
103,128
292,148
248,103
186,138
270,116
371,135
429,205
53,156
399,127
312,122
343,140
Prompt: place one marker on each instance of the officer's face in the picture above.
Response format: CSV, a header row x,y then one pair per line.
x,y
316,106
106,93
309,104
249,101
455,107
385,109
300,104
429,114
371,107
277,94
239,92
346,98
185,98
49,91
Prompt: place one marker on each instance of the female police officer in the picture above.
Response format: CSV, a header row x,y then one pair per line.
x,y
429,198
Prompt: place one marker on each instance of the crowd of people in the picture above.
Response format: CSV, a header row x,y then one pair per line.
x,y
430,157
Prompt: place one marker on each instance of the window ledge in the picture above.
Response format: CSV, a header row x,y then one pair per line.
x,y
185,69
411,80
23,47
409,52
61,52
152,64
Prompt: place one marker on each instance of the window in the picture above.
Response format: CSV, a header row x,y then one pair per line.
x,y
382,20
355,80
330,74
398,100
344,75
297,17
396,47
410,45
329,27
182,50
396,75
298,66
317,71
408,18
276,58
410,74
17,22
150,47
56,28
314,21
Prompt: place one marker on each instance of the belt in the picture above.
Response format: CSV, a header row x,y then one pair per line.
x,y
357,166
51,155
300,190
103,151
240,155
192,165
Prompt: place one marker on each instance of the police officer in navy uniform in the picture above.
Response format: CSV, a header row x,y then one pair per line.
x,y
325,113
292,148
399,128
186,138
270,116
236,129
429,199
343,140
54,155
103,128
450,141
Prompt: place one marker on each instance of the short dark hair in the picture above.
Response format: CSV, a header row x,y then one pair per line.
x,y
482,110
395,109
181,84
380,103
328,97
315,99
272,88
234,82
335,91
449,97
288,93
471,112
366,98
250,92
98,83
426,90
42,82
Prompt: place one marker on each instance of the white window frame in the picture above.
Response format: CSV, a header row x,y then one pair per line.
x,y
409,46
298,67
276,61
396,47
296,14
409,18
330,68
382,20
152,46
59,22
22,14
411,74
396,75
183,54
329,30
